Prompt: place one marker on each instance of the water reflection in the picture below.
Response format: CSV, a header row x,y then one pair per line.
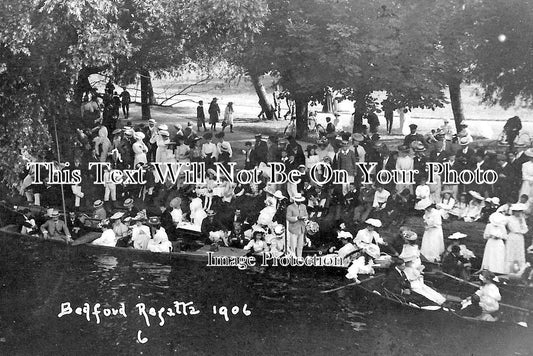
x,y
289,314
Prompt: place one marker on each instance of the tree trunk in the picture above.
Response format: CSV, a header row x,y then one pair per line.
x,y
454,86
147,93
266,106
301,118
359,111
82,84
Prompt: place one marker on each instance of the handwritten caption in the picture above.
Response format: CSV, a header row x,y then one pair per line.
x,y
149,314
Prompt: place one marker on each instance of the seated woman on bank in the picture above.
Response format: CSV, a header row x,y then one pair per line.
x,y
140,234
473,210
459,209
277,245
257,245
446,204
369,235
489,298
415,277
108,237
159,242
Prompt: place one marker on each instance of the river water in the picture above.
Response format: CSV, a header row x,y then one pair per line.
x,y
287,314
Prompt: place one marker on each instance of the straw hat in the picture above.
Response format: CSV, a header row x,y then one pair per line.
x,y
163,127
98,204
154,220
54,214
373,222
409,235
529,152
128,202
463,141
345,235
457,236
117,216
518,207
297,197
138,135
476,195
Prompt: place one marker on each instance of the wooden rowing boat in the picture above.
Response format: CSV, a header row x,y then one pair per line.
x,y
508,314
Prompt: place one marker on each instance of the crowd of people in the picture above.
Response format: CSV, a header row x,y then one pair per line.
x,y
290,218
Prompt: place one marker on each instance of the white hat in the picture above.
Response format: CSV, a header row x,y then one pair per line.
x,y
138,135
258,229
529,152
278,195
475,195
457,236
498,219
298,197
372,250
116,216
279,230
151,121
518,207
164,133
163,127
495,200
345,235
463,141
374,222
424,204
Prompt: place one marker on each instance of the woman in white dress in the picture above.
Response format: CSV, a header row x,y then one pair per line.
x,y
446,204
159,241
515,253
140,234
161,138
415,277
423,195
108,237
527,174
139,149
404,162
495,234
433,239
228,117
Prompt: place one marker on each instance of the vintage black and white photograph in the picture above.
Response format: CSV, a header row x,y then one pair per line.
x,y
266,177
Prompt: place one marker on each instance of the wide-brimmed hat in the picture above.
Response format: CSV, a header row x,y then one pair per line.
x,y
279,230
373,222
154,220
424,204
277,194
494,200
128,202
463,141
418,146
117,215
518,207
457,236
358,137
98,204
498,219
225,147
409,235
372,250
475,195
298,197
139,135
129,132
345,235
529,152
164,133
163,127
488,275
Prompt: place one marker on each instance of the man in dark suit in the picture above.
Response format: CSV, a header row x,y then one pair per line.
x,y
260,151
464,160
200,116
396,280
413,136
298,150
273,150
512,128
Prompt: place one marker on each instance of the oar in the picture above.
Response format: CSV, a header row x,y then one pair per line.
x,y
350,284
475,285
